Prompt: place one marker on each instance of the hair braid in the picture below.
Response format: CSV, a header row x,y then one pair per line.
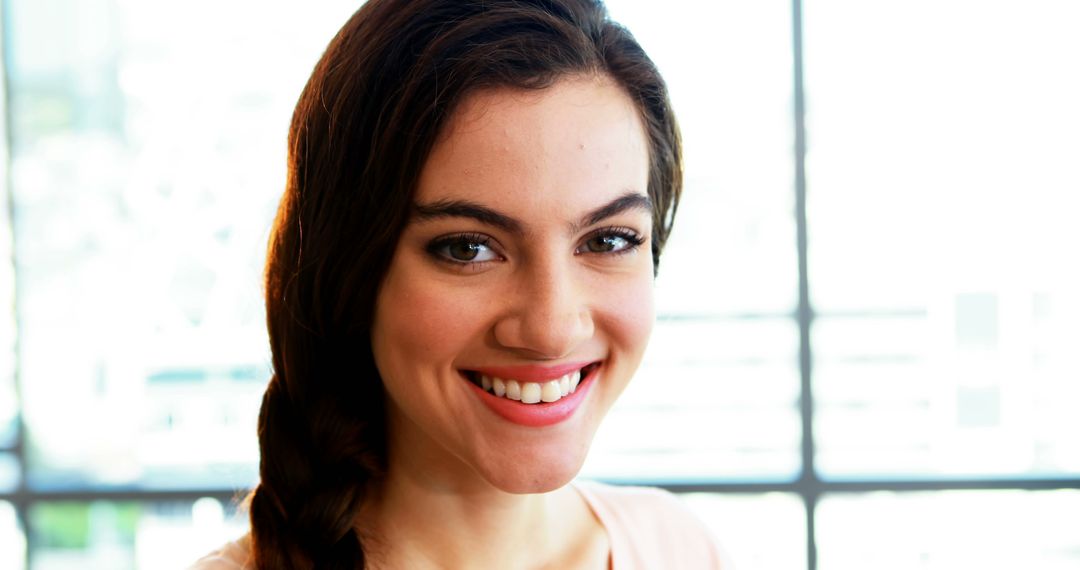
x,y
317,460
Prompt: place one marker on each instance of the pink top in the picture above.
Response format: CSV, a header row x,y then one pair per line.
x,y
648,529
651,529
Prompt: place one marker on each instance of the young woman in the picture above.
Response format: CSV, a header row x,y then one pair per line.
x,y
459,286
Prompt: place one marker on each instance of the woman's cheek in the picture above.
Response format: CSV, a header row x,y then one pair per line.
x,y
437,318
630,311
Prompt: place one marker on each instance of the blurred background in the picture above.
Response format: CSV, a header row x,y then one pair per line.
x,y
866,349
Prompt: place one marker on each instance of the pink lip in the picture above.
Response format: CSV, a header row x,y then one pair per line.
x,y
532,373
542,414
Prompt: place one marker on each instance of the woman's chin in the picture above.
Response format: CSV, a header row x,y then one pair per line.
x,y
538,474
543,481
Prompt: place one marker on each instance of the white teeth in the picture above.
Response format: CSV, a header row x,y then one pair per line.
x,y
530,393
550,391
513,390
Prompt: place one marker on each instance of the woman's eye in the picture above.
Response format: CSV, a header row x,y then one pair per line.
x,y
464,249
603,244
615,240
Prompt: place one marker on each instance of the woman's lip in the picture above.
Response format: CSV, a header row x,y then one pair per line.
x,y
532,373
541,414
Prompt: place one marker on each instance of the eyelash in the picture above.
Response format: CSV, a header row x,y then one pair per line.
x,y
437,246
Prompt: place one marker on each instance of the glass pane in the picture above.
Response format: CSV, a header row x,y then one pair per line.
x,y
713,399
12,539
7,297
8,423
9,472
990,530
733,247
127,535
759,532
146,168
942,189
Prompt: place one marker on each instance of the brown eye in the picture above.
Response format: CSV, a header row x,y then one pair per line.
x,y
604,244
464,249
611,241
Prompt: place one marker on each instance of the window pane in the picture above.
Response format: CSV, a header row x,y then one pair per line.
x,y
942,187
759,532
713,399
990,530
127,535
9,472
146,167
12,539
7,299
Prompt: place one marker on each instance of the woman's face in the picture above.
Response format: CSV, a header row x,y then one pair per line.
x,y
526,259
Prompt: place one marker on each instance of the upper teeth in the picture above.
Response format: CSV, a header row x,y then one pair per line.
x,y
532,392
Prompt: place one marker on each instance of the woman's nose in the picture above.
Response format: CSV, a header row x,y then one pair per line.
x,y
549,314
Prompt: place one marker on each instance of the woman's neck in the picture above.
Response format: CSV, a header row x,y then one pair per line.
x,y
436,515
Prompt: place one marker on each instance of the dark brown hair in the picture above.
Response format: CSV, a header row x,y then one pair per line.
x,y
362,130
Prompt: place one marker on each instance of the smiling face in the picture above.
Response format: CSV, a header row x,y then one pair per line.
x,y
526,259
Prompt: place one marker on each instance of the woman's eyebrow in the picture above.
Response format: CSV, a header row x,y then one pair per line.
x,y
465,209
624,203
485,215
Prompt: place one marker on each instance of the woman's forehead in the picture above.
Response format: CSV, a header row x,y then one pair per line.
x,y
574,145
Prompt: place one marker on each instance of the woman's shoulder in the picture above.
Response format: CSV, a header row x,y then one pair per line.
x,y
651,528
235,555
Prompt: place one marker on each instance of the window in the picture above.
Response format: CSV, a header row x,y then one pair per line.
x,y
866,311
